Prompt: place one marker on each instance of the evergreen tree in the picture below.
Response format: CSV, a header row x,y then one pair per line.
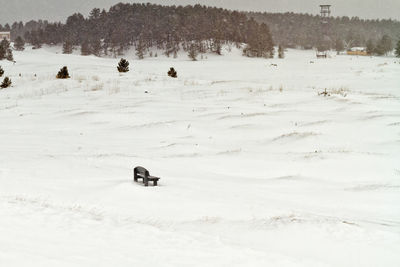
x,y
370,47
397,50
67,47
36,40
386,43
6,83
140,49
5,50
339,46
9,56
281,52
63,73
85,49
384,46
192,53
19,43
123,65
259,41
217,47
1,71
95,47
172,73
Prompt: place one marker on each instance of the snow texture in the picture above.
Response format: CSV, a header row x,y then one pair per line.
x,y
257,168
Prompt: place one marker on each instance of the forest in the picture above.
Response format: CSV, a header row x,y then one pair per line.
x,y
305,31
170,28
201,29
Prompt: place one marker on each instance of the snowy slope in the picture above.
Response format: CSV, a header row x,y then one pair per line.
x,y
257,169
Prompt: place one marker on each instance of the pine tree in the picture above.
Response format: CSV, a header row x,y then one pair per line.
x,y
217,47
384,46
5,50
259,41
67,47
397,50
172,73
281,52
123,65
63,73
85,49
370,47
95,47
9,55
192,53
140,49
6,83
19,43
1,71
339,47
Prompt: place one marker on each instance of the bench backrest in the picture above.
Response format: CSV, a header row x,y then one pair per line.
x,y
142,171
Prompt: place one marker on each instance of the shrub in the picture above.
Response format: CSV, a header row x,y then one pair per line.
x,y
1,71
63,73
172,73
123,65
6,83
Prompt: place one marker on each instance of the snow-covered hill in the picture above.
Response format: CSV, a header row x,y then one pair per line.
x,y
256,168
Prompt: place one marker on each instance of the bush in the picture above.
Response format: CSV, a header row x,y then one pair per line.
x,y
1,71
172,73
6,83
123,65
63,73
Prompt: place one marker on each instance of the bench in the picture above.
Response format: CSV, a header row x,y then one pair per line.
x,y
142,173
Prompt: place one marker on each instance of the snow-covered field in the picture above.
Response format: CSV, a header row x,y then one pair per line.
x,y
256,168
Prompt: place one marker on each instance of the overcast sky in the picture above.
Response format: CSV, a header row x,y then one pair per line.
x,y
58,10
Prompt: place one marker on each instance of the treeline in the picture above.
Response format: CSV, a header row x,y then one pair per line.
x,y
144,26
304,30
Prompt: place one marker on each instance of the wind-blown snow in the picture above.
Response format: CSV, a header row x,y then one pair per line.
x,y
256,168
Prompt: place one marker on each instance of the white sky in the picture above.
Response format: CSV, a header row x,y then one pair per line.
x,y
58,10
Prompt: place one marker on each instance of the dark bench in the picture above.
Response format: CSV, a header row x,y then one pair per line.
x,y
142,173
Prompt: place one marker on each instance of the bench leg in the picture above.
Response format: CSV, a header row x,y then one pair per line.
x,y
155,183
146,184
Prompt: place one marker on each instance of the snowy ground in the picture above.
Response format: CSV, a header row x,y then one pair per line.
x,y
257,169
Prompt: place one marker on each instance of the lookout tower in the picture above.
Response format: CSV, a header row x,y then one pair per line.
x,y
324,39
325,12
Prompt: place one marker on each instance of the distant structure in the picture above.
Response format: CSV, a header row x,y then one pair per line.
x,y
325,12
357,51
325,40
5,35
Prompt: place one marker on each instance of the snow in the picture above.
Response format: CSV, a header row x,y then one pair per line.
x,y
256,168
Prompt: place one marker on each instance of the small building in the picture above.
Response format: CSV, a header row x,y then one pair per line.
x,y
5,35
357,51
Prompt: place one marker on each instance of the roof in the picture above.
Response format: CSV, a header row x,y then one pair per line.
x,y
357,49
5,32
